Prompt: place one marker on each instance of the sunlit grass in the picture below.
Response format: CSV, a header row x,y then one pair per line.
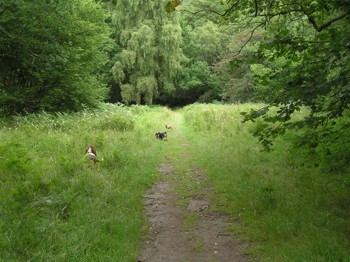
x,y
291,212
56,205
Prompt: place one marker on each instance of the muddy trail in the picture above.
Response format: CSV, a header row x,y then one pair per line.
x,y
184,226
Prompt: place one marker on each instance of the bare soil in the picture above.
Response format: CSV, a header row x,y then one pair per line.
x,y
184,227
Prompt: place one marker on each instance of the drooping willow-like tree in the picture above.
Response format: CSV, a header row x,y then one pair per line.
x,y
150,59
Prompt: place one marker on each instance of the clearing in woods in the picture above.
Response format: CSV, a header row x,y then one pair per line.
x,y
184,227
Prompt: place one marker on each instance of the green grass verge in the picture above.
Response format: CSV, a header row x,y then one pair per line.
x,y
55,205
290,212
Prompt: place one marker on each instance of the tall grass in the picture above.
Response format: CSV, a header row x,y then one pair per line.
x,y
291,212
55,205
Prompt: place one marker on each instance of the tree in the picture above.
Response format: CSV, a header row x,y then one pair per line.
x,y
205,44
306,61
235,70
302,61
50,51
150,61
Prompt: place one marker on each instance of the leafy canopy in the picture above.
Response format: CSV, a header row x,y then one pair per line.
x,y
302,60
151,57
306,63
50,51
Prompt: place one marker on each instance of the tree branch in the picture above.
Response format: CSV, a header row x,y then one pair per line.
x,y
283,13
231,8
324,26
250,38
197,12
3,11
213,11
256,8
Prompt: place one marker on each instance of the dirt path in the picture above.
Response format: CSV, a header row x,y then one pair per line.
x,y
183,225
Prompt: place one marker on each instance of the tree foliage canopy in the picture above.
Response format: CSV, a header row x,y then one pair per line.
x,y
306,63
151,57
300,60
49,53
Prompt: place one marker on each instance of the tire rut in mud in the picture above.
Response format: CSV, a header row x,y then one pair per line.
x,y
190,232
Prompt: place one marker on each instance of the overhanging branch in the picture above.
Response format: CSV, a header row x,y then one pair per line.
x,y
3,11
213,11
324,26
248,40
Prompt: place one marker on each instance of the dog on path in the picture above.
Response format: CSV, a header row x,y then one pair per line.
x,y
161,135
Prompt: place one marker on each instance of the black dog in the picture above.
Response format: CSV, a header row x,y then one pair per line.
x,y
161,135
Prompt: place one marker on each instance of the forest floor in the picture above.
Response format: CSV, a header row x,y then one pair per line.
x,y
184,226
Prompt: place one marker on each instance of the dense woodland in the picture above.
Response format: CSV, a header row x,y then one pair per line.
x,y
70,55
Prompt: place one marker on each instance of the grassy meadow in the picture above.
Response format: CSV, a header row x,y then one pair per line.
x,y
55,205
290,212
